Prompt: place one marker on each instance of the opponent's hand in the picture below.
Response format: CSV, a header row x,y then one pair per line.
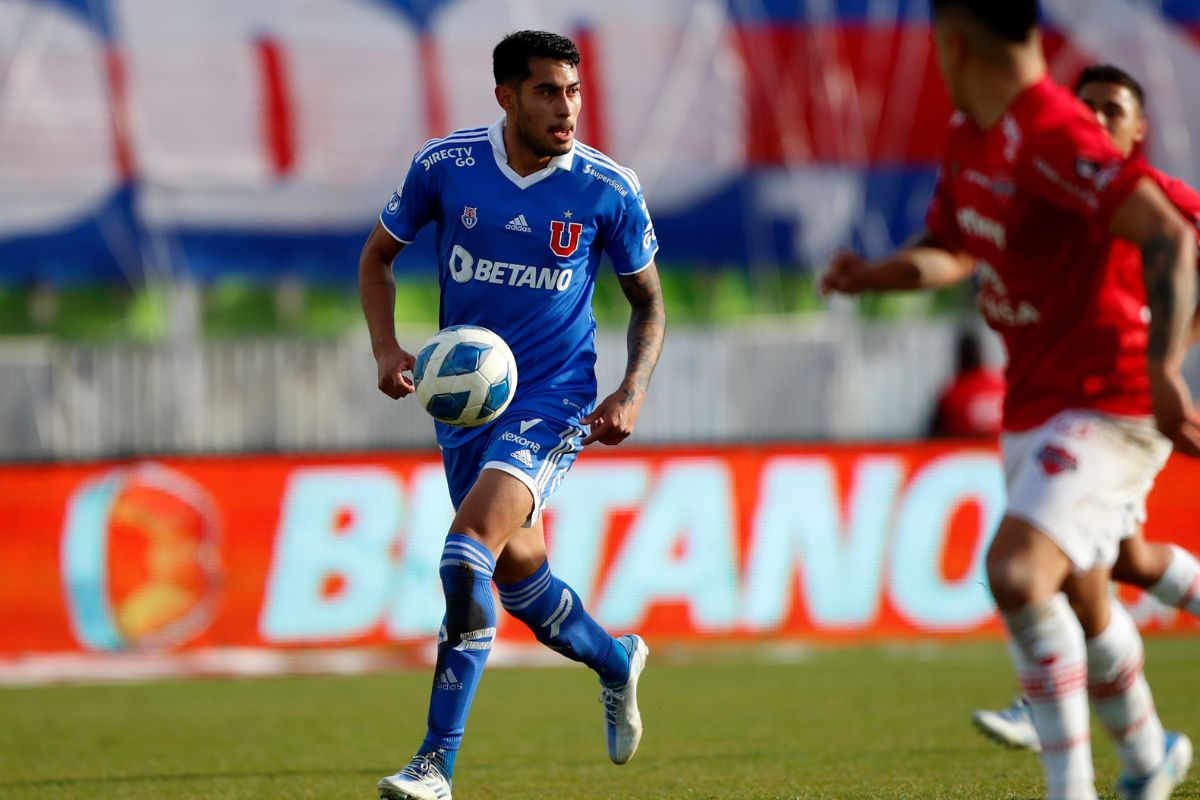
x,y
392,364
613,419
1174,414
845,274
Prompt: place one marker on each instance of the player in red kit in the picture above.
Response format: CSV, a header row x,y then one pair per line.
x,y
1168,572
971,404
1034,197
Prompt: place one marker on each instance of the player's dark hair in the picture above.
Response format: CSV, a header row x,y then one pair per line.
x,y
1107,73
510,59
1011,20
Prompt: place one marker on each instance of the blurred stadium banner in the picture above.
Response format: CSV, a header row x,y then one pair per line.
x,y
276,554
206,137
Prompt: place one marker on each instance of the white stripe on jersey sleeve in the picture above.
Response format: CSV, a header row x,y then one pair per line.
x,y
466,134
383,223
594,155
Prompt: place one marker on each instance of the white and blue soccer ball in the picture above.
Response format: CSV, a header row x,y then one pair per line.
x,y
465,376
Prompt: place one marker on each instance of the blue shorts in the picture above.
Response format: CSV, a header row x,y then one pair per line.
x,y
535,440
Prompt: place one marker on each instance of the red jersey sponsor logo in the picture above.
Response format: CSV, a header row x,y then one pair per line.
x,y
997,306
1056,460
975,224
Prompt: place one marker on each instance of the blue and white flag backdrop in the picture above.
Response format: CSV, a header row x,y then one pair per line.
x,y
215,137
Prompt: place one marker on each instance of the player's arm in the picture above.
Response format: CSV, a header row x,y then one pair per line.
x,y
377,291
1147,219
615,416
923,264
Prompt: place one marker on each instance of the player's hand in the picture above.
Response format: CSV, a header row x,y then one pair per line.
x,y
613,419
1173,411
845,274
392,364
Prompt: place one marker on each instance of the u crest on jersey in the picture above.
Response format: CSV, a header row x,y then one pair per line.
x,y
564,237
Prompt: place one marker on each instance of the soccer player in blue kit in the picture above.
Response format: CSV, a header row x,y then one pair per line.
x,y
523,212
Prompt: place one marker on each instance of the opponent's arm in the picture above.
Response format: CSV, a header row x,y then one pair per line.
x,y
1168,246
377,292
923,264
614,417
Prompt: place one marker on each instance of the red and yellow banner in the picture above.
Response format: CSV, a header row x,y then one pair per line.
x,y
340,551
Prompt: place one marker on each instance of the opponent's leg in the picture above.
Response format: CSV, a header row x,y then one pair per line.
x,y
1152,761
1168,572
1026,570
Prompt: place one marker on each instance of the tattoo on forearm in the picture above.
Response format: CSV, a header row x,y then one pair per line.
x,y
1170,302
647,328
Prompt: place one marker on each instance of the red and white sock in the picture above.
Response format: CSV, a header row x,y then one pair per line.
x,y
1122,696
1048,650
1179,586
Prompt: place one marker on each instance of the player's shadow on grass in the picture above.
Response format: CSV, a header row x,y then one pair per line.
x,y
185,776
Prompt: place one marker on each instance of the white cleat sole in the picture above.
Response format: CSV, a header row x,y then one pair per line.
x,y
389,791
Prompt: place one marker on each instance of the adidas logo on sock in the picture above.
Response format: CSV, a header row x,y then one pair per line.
x,y
524,457
448,680
518,223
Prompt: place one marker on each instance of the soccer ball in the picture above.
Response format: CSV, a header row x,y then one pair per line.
x,y
465,376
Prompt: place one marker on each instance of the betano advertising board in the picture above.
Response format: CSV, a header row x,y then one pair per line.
x,y
282,553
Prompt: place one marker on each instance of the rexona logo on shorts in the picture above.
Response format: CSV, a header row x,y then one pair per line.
x,y
465,267
516,438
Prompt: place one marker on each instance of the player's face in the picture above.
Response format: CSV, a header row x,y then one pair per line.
x,y
1118,111
951,48
547,107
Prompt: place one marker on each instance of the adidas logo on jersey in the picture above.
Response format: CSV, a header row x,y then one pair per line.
x,y
523,456
449,681
518,223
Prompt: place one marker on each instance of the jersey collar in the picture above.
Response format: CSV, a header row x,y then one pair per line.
x,y
500,152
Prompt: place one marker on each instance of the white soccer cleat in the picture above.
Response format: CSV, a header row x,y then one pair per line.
x,y
622,720
1177,758
1011,727
420,780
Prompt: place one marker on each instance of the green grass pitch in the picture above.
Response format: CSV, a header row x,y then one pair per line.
x,y
863,722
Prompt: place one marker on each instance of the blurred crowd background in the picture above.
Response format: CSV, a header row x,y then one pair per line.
x,y
184,187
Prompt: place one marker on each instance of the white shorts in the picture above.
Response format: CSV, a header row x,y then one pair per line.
x,y
1082,479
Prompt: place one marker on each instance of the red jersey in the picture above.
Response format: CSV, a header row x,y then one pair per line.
x,y
1185,198
1030,199
1127,257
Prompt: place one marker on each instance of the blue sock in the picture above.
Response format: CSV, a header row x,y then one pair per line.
x,y
553,612
466,640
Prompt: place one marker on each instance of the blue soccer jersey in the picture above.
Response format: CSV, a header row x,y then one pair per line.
x,y
519,255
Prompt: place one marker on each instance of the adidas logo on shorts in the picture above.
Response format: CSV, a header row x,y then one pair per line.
x,y
518,223
523,456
